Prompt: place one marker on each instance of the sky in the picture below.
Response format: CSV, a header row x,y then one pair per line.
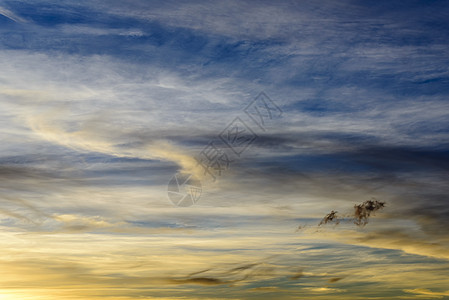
x,y
224,149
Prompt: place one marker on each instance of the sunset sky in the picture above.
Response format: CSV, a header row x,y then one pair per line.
x,y
104,103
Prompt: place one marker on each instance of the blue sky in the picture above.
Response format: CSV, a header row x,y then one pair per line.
x,y
102,102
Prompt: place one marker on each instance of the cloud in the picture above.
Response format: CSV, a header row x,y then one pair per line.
x,y
360,216
224,275
298,275
363,211
335,279
10,15
199,280
330,217
427,293
404,240
88,140
324,290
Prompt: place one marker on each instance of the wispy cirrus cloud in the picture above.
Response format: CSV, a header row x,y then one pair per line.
x,y
12,16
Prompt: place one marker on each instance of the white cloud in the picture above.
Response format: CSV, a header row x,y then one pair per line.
x,y
10,15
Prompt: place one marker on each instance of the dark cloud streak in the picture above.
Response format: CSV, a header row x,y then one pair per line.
x,y
359,216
